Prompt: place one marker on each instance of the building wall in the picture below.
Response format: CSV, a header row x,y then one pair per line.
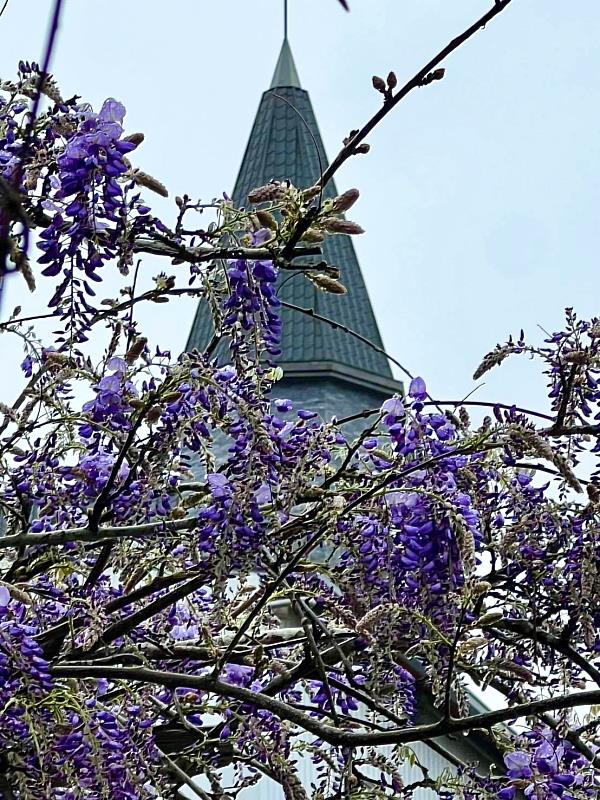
x,y
331,398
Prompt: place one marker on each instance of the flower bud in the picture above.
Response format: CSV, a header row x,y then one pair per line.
x,y
266,220
134,138
153,414
313,235
311,192
338,225
327,284
489,618
345,200
379,84
143,179
264,194
136,349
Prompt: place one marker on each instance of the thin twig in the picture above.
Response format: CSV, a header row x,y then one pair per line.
x,y
350,148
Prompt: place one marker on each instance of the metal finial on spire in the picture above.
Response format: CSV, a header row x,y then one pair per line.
x,y
285,72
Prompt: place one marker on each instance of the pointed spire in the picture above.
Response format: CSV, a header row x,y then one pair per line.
x,y
285,73
285,144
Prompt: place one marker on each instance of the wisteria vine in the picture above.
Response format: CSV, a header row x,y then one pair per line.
x,y
200,579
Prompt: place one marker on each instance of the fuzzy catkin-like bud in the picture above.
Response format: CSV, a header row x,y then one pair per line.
x,y
338,225
490,617
143,179
575,357
49,87
27,274
266,220
22,264
330,270
134,138
178,512
493,359
311,192
136,350
327,284
345,201
264,194
313,235
392,80
9,412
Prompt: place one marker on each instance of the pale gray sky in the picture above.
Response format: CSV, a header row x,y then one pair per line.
x,y
480,194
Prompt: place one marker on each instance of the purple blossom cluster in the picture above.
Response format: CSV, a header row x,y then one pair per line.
x,y
547,767
57,745
252,303
155,534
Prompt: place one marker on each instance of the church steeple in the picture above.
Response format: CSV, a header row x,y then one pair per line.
x,y
285,144
285,73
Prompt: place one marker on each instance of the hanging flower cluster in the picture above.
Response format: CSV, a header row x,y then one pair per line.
x,y
198,578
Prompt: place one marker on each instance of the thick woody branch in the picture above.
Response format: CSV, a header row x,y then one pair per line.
x,y
335,736
195,255
525,629
87,534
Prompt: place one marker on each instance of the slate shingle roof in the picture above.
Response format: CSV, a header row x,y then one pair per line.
x,y
285,143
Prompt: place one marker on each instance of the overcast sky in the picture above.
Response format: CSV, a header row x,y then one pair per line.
x,y
480,193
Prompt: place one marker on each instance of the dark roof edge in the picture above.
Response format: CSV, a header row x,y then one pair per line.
x,y
341,372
